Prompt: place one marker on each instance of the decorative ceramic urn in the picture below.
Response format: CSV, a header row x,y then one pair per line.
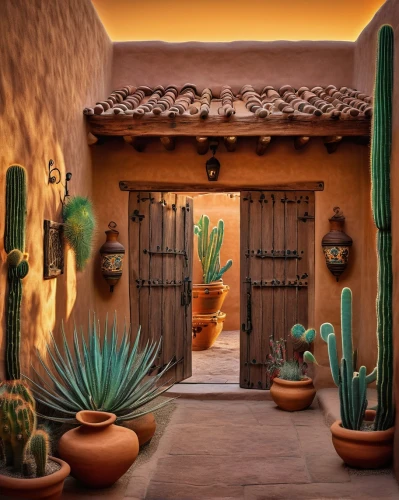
x,y
112,255
336,244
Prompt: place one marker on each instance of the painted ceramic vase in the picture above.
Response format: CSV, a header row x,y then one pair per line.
x,y
206,330
112,255
144,427
98,451
336,245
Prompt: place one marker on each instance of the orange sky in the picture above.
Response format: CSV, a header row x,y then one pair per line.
x,y
228,20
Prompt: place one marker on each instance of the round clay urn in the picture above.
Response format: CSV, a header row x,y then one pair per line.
x,y
363,449
208,298
206,330
144,427
290,395
98,451
336,245
112,255
47,487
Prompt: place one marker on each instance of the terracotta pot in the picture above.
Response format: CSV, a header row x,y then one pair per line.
x,y
47,487
365,450
206,329
209,298
291,395
98,451
144,427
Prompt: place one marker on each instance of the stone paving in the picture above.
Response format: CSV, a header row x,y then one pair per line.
x,y
251,450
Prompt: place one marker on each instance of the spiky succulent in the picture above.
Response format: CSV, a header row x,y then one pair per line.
x,y
111,376
291,370
79,228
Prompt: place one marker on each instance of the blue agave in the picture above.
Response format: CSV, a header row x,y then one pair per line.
x,y
110,376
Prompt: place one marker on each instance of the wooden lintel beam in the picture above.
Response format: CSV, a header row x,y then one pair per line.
x,y
332,142
219,126
262,144
169,143
202,145
219,187
230,143
137,142
300,142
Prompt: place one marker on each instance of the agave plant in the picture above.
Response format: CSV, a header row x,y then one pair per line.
x,y
107,376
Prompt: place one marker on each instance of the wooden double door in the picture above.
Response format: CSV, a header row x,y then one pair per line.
x,y
276,262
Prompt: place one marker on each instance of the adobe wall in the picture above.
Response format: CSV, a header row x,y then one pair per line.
x,y
365,57
55,59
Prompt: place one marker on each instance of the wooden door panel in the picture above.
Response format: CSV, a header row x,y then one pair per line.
x,y
277,257
161,273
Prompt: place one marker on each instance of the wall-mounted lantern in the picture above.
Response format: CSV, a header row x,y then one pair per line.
x,y
54,177
213,165
112,255
336,244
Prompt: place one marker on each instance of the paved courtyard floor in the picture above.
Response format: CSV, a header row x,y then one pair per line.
x,y
220,364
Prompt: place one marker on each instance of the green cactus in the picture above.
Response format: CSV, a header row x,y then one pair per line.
x,y
302,338
209,249
79,228
39,447
14,244
381,205
352,385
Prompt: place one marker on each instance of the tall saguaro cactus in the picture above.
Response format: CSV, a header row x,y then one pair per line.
x,y
14,244
381,205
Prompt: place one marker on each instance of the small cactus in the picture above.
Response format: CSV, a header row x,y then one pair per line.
x,y
40,449
302,338
209,249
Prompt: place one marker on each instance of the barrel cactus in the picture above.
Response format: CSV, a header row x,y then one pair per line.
x,y
302,339
209,249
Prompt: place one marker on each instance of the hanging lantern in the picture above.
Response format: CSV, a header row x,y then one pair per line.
x,y
112,255
336,244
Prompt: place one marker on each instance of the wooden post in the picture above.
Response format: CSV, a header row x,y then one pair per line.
x,y
169,143
332,142
300,142
136,141
230,143
262,144
202,145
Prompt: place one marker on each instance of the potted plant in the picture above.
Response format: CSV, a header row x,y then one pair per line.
x,y
26,470
275,359
108,377
208,297
292,390
351,435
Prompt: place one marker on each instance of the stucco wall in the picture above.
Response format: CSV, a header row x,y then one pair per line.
x,y
364,77
345,174
55,59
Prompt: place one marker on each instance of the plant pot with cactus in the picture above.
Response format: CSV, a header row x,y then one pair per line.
x,y
26,469
208,297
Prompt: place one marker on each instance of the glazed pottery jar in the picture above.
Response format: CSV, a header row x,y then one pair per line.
x,y
112,255
290,395
98,451
208,298
336,245
363,449
206,330
144,427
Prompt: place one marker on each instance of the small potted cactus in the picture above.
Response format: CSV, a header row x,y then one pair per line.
x,y
26,470
208,297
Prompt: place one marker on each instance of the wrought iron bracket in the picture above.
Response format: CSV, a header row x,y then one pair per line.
x,y
157,283
136,216
167,251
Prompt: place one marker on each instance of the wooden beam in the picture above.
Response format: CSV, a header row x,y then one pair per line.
x,y
332,142
218,187
91,139
137,142
262,144
169,143
300,142
202,145
230,143
219,126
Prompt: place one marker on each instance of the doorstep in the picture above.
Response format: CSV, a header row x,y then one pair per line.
x,y
217,391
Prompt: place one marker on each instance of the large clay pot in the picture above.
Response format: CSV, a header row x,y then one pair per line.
x,y
209,298
293,395
144,427
98,451
206,329
45,488
363,449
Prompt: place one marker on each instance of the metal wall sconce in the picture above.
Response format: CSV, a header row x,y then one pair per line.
x,y
336,245
112,254
52,178
213,165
